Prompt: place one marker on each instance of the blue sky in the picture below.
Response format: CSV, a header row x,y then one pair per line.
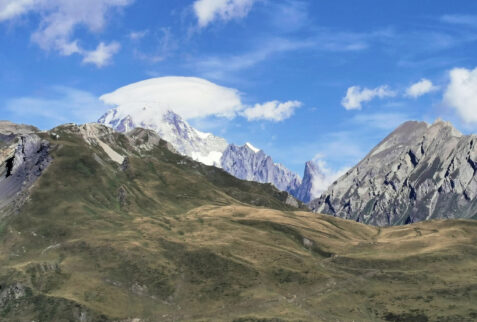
x,y
346,69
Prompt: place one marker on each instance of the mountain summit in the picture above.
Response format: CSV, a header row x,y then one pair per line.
x,y
419,172
200,146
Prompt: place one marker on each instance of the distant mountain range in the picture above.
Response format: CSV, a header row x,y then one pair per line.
x,y
244,162
419,172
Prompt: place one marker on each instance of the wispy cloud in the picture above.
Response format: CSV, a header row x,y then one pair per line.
x,y
138,35
208,11
102,55
218,67
382,121
462,19
163,42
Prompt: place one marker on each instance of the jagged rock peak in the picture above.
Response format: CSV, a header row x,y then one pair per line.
x,y
312,184
418,172
248,163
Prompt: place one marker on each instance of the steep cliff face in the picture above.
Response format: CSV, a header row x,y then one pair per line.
x,y
419,172
23,158
249,163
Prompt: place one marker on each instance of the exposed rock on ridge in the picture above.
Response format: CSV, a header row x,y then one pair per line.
x,y
22,160
419,172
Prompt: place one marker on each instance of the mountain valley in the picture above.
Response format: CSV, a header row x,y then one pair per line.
x,y
120,227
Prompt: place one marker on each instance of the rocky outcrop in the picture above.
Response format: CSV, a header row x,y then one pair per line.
x,y
11,293
145,140
248,163
22,161
419,172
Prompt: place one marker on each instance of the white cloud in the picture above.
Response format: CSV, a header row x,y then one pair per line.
x,y
424,86
191,98
60,18
461,93
356,96
13,8
272,111
209,10
102,55
58,105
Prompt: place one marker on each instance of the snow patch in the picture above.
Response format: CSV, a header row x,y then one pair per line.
x,y
251,147
211,159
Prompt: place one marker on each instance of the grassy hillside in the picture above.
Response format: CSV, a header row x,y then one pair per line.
x,y
162,238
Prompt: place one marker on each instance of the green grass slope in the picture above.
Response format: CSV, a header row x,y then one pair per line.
x,y
163,238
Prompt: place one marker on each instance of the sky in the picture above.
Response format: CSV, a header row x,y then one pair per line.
x,y
301,79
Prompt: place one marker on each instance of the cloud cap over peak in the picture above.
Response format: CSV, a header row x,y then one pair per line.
x,y
193,98
189,97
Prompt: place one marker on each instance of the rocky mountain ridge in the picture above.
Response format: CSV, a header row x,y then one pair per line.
x,y
249,163
419,172
245,162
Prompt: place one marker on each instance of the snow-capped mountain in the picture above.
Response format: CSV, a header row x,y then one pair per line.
x,y
246,162
249,163
200,146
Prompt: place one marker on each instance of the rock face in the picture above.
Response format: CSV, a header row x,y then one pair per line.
x,y
249,163
419,172
23,158
312,184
